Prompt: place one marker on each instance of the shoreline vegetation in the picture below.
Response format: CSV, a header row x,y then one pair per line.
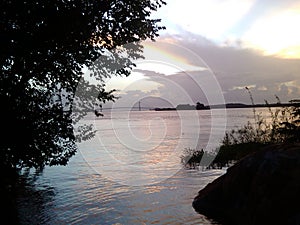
x,y
283,127
261,185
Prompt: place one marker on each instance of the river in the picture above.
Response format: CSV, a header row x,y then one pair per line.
x,y
130,172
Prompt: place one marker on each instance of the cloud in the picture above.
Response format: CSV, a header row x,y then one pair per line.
x,y
178,88
269,25
235,67
276,33
209,18
231,68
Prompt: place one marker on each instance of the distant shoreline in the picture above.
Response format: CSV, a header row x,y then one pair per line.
x,y
232,106
240,105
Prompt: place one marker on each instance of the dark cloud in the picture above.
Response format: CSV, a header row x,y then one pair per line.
x,y
232,68
237,67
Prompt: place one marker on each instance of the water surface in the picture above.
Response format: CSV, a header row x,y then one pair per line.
x,y
113,181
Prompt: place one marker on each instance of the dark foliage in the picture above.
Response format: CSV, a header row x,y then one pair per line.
x,y
193,158
199,106
229,154
282,126
44,46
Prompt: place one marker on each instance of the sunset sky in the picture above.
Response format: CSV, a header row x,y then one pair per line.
x,y
221,46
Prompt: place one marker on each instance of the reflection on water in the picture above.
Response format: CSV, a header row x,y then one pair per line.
x,y
138,148
78,194
33,199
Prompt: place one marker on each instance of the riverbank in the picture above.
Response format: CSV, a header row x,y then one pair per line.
x,y
262,188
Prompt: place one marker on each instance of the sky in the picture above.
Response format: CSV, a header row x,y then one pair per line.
x,y
212,49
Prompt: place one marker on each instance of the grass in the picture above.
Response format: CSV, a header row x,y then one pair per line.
x,y
282,127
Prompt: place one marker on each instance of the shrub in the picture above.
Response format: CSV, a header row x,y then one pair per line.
x,y
282,127
193,158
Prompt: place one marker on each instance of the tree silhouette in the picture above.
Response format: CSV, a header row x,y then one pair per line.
x,y
199,106
44,45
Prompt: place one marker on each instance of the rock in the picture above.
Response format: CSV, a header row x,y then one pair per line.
x,y
262,188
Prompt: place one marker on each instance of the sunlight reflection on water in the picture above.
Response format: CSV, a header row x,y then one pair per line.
x,y
79,194
143,148
84,197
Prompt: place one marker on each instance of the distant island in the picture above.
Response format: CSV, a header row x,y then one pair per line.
x,y
164,109
241,105
200,106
